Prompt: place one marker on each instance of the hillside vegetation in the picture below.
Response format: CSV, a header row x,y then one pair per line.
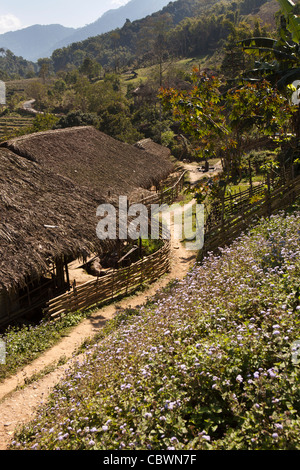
x,y
12,66
98,81
184,28
211,363
38,41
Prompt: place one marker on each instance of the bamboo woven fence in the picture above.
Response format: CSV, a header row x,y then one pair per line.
x,y
233,223
112,286
123,281
242,210
167,196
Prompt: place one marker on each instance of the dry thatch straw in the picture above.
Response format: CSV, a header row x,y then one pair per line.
x,y
42,216
51,184
95,160
155,149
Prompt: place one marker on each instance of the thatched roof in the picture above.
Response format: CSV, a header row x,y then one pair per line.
x,y
51,184
42,215
155,149
94,160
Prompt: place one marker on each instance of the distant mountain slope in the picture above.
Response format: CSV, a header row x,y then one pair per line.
x,y
35,41
186,28
112,19
39,41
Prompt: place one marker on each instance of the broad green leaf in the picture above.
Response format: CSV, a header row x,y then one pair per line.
x,y
289,78
293,21
258,42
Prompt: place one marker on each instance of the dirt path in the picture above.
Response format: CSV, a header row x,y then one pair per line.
x,y
28,106
195,175
18,405
19,402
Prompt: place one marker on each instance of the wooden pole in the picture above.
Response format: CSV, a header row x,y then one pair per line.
x,y
67,274
268,196
250,176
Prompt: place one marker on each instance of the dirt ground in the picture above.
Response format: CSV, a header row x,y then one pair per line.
x,y
19,402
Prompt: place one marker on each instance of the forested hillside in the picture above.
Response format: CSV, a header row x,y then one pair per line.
x,y
112,80
12,66
115,18
38,41
183,28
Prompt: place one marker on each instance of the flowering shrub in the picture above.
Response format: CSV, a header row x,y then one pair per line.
x,y
207,365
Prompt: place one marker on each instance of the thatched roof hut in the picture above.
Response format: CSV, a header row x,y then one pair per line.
x,y
155,149
94,160
42,216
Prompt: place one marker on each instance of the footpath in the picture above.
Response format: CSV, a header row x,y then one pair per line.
x,y
22,395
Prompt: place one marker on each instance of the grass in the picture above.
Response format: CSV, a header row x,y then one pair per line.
x,y
209,364
150,72
244,184
25,344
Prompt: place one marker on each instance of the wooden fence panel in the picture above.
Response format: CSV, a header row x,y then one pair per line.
x,y
240,211
218,233
117,283
123,281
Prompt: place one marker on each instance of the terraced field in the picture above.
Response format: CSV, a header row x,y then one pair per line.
x,y
9,124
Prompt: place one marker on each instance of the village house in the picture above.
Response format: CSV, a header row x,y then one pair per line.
x,y
51,184
95,160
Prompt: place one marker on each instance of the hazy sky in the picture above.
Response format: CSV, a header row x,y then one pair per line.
x,y
17,14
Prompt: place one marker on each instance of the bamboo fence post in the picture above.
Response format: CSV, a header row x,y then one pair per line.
x,y
250,177
75,294
97,286
142,272
113,284
127,279
268,196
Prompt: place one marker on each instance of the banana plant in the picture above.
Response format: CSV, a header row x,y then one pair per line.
x,y
293,21
280,63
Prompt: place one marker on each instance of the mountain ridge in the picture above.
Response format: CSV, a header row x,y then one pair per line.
x,y
39,41
24,42
115,18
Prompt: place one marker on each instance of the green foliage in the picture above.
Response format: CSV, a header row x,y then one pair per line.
x,y
44,122
167,138
279,58
258,160
45,68
199,111
185,29
12,67
90,68
77,119
292,20
217,122
259,105
24,344
116,122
